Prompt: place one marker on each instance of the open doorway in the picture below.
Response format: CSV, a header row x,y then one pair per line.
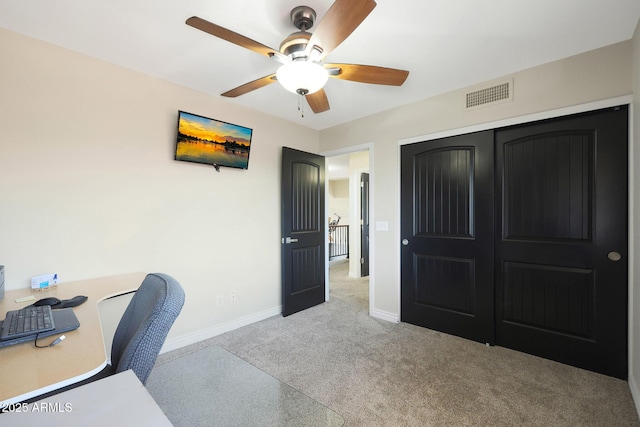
x,y
348,243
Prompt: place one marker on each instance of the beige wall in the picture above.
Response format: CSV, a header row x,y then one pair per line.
x,y
89,187
338,200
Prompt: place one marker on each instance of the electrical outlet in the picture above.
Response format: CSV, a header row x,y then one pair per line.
x,y
232,297
219,301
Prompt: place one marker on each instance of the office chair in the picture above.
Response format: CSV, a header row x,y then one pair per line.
x,y
145,325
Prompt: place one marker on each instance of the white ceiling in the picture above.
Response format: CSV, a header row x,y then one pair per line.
x,y
445,44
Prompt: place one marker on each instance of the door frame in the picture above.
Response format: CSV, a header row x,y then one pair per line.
x,y
527,118
368,147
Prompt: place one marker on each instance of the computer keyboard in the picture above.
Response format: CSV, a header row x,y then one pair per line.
x,y
27,321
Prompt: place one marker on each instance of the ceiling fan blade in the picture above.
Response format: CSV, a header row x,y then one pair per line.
x,y
342,18
368,74
248,87
318,101
235,38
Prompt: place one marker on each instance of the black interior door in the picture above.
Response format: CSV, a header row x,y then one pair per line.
x,y
364,221
447,235
561,247
303,230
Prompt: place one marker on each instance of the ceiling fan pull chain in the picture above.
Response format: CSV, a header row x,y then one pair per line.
x,y
301,105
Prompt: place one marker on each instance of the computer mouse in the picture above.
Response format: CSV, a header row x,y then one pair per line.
x,y
73,302
47,301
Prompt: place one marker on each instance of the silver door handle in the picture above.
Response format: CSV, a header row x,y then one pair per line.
x,y
290,240
614,256
405,242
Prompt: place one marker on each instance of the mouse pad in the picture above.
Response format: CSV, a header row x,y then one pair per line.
x,y
64,319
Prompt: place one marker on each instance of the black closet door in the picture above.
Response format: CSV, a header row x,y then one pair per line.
x,y
447,235
561,240
551,280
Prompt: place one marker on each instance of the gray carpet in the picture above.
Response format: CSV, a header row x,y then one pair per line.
x,y
377,373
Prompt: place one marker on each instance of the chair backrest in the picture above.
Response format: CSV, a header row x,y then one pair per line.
x,y
145,324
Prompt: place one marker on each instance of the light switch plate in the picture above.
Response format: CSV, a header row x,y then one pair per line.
x,y
382,225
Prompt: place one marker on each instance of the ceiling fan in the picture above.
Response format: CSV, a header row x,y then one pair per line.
x,y
302,53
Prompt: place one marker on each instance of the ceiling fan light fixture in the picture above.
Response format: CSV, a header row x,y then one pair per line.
x,y
302,77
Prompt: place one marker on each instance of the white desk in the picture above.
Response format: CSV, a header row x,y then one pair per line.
x,y
26,371
117,400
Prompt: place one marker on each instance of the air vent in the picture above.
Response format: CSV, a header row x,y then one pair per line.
x,y
501,92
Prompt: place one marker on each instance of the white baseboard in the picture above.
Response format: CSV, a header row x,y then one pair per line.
x,y
385,315
210,332
635,392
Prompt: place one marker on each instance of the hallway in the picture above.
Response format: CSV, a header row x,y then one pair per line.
x,y
352,291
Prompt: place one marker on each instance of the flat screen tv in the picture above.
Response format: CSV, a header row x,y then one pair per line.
x,y
213,142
